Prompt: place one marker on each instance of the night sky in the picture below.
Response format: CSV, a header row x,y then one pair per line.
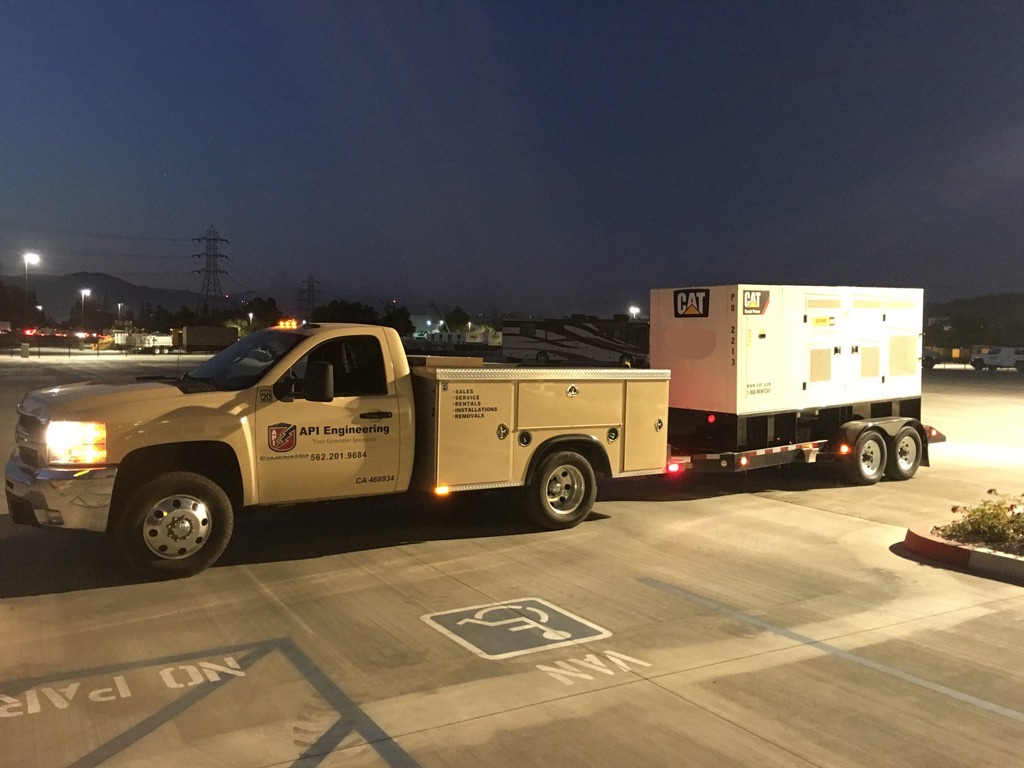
x,y
543,157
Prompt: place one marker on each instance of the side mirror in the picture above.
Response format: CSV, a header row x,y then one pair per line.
x,y
319,382
284,390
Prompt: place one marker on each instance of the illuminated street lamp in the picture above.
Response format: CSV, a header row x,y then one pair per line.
x,y
633,312
85,292
30,258
119,305
250,321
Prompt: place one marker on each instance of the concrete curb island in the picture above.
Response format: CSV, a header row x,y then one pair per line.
x,y
976,559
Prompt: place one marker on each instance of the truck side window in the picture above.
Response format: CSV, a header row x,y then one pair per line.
x,y
358,365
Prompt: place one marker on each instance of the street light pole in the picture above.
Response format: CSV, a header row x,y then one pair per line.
x,y
30,258
85,292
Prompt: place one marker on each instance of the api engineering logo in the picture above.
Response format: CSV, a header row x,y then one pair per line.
x,y
281,437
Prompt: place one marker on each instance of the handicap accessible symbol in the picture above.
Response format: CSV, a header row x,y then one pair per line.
x,y
518,623
514,627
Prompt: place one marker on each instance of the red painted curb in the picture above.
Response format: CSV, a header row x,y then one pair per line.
x,y
933,547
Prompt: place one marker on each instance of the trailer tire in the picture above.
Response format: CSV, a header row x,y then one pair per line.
x,y
542,358
904,455
562,491
176,525
626,360
866,463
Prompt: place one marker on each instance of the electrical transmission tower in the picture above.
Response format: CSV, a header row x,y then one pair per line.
x,y
211,272
307,298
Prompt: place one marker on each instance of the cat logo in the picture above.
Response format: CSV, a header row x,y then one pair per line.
x,y
755,302
692,302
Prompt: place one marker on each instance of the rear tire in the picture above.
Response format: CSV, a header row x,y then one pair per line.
x,y
176,525
904,456
542,358
866,463
562,492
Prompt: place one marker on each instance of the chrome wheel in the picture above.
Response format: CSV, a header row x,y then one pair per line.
x,y
176,526
565,489
562,491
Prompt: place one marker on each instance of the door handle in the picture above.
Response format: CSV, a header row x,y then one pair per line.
x,y
376,415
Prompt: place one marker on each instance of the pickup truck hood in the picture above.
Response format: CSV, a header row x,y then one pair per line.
x,y
70,399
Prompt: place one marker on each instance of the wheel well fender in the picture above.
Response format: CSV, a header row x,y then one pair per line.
x,y
887,427
212,459
585,445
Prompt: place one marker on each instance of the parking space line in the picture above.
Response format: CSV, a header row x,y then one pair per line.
x,y
746,618
352,717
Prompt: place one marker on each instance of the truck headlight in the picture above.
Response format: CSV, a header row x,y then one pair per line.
x,y
76,442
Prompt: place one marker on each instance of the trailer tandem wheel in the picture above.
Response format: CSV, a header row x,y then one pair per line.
x,y
866,463
904,455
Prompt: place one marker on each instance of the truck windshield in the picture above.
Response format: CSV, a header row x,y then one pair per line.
x,y
242,364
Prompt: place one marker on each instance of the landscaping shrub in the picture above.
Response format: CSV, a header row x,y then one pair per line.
x,y
997,523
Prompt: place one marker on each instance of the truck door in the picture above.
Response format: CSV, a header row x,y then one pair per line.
x,y
348,447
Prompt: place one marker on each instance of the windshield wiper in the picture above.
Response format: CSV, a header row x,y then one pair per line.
x,y
189,382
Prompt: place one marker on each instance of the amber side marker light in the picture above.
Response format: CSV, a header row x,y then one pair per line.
x,y
743,461
844,448
442,490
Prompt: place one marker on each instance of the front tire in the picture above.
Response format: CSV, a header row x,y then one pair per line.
x,y
176,525
905,457
562,491
866,463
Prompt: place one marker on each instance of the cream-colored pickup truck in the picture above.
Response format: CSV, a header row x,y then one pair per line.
x,y
318,413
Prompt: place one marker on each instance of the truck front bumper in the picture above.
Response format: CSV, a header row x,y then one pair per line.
x,y
59,498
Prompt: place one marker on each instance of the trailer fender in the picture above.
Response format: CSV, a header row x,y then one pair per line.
x,y
888,426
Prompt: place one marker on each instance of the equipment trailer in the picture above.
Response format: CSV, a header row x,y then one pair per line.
x,y
765,375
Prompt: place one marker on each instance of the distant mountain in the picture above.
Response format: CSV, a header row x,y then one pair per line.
x,y
61,295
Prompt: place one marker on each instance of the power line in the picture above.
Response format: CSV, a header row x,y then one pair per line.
x,y
101,235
